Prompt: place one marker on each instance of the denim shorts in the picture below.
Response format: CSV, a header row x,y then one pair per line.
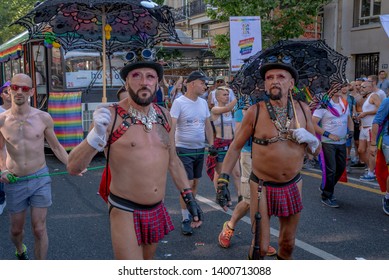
x,y
193,160
34,192
385,150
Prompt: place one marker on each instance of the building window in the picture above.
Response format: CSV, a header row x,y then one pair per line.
x,y
204,30
366,64
366,12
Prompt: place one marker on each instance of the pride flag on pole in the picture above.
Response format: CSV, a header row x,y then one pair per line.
x,y
65,109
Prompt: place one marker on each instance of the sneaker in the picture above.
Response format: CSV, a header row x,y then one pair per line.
x,y
22,256
225,236
330,202
385,205
367,178
2,206
271,251
186,229
308,164
358,165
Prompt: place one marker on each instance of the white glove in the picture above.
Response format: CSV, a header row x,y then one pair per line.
x,y
303,136
97,136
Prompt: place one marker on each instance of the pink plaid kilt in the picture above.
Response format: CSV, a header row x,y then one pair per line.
x,y
151,225
283,199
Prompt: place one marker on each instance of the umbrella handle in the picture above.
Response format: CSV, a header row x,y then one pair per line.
x,y
294,111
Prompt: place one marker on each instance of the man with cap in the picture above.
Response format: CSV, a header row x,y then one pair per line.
x,y
282,132
6,97
191,123
139,160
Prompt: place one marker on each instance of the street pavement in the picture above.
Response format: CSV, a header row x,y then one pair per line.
x,y
78,224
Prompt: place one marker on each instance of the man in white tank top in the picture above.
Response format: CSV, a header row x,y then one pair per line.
x,y
369,109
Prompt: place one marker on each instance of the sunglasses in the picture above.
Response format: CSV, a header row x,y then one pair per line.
x,y
16,88
283,59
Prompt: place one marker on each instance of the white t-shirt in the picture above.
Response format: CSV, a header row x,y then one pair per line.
x,y
191,116
332,124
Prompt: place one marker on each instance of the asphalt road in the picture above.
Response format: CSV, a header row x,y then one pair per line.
x,y
78,222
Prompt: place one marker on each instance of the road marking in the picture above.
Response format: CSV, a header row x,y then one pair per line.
x,y
354,185
305,246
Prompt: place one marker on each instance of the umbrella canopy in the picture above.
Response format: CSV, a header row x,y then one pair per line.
x,y
106,26
319,67
79,24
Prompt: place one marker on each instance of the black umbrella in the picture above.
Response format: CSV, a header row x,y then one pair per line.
x,y
319,67
106,26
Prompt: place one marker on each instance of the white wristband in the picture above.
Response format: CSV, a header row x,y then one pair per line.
x,y
96,141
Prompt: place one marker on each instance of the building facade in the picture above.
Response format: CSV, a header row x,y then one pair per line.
x,y
351,27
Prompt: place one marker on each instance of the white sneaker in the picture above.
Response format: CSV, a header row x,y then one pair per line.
x,y
2,206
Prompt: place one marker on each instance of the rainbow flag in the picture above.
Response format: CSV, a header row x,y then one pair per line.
x,y
381,169
65,109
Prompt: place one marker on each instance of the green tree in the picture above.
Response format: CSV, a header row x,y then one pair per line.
x,y
280,19
10,11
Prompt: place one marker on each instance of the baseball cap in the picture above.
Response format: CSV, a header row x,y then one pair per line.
x,y
6,84
279,62
196,75
220,78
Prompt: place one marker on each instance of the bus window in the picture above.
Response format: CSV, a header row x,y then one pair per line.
x,y
83,68
56,70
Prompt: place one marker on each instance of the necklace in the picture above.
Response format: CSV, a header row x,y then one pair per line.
x,y
281,117
22,122
146,120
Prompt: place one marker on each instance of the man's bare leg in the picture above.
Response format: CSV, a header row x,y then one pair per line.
x,y
17,230
124,241
39,229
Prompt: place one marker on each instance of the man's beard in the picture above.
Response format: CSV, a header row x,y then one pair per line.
x,y
277,95
141,101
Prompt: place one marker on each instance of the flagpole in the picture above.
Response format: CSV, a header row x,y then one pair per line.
x,y
294,110
103,20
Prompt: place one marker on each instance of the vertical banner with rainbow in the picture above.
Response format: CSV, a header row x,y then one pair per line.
x,y
245,39
65,109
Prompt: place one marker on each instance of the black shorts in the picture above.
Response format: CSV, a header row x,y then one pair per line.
x,y
356,130
193,160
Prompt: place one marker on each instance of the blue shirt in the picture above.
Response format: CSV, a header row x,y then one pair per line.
x,y
381,119
238,118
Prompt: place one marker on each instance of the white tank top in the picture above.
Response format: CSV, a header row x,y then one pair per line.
x,y
367,107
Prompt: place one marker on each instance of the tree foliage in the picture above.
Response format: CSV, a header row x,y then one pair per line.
x,y
11,10
280,19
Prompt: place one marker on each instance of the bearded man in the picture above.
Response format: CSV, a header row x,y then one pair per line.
x,y
139,160
282,132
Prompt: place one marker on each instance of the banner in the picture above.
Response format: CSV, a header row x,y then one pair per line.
x,y
245,39
385,23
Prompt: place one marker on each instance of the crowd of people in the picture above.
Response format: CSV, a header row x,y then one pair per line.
x,y
261,146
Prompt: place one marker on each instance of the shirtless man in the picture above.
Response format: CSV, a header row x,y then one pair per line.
x,y
277,157
23,130
139,161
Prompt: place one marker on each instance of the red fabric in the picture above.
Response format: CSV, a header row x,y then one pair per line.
x,y
210,166
343,178
152,225
105,183
381,170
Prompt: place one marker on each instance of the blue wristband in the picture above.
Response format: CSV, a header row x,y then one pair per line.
x,y
326,134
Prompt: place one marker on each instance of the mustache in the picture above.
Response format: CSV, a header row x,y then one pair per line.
x,y
144,89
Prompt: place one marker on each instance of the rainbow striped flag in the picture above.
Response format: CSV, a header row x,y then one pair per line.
x,y
65,109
